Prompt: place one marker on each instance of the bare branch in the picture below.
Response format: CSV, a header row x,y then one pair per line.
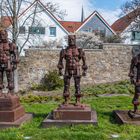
x,y
55,9
33,21
131,9
13,8
9,4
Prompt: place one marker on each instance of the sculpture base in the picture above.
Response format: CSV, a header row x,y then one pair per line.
x,y
12,115
134,116
126,117
11,112
17,123
9,102
71,115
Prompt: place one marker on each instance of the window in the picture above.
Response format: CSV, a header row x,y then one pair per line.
x,y
52,31
37,30
86,30
90,29
135,35
102,33
22,30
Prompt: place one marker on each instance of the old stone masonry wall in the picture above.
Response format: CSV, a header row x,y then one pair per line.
x,y
108,65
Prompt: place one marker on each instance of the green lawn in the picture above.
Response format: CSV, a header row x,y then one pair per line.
x,y
104,131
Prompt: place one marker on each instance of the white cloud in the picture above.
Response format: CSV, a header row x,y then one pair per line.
x,y
74,8
110,16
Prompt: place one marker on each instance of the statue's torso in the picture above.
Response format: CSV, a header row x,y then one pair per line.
x,y
4,53
72,58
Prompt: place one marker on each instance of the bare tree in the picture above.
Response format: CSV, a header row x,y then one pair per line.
x,y
12,9
55,9
131,9
88,40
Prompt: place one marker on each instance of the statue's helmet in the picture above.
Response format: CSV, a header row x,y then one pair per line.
x,y
3,35
72,40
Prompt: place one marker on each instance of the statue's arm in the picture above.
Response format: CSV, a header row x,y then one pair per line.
x,y
131,71
14,53
60,65
84,66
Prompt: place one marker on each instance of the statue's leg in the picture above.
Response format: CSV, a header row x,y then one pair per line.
x,y
10,80
1,82
66,93
78,94
135,100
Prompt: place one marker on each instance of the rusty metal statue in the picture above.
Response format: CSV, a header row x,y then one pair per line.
x,y
72,55
8,62
135,79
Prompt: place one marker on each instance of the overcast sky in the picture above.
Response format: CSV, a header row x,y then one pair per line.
x,y
109,9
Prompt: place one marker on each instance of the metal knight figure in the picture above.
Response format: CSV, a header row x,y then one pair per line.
x,y
135,79
72,55
8,61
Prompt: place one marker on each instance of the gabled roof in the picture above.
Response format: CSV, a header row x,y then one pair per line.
x,y
67,26
100,17
121,24
71,26
8,22
50,14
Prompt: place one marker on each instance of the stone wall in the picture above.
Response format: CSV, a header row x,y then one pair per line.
x,y
108,65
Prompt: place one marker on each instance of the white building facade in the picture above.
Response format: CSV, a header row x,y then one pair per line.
x,y
38,27
128,29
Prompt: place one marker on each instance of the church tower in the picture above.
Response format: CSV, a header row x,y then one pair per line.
x,y
82,15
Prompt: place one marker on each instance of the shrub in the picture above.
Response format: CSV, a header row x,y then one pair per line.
x,y
39,99
52,80
34,99
39,87
112,39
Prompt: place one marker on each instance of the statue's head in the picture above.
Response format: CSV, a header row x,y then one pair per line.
x,y
72,40
3,36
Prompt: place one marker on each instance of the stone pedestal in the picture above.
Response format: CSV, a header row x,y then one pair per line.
x,y
126,117
71,115
11,112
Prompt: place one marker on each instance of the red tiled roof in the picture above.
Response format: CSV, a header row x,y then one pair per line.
x,y
121,24
5,21
71,26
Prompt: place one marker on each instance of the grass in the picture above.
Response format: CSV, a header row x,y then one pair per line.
x,y
104,131
123,87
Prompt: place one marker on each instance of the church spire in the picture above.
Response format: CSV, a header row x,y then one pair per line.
x,y
82,15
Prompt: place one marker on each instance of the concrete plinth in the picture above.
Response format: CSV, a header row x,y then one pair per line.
x,y
12,114
126,117
71,115
25,118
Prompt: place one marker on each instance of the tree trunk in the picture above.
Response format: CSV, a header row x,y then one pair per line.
x,y
14,19
16,81
14,38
